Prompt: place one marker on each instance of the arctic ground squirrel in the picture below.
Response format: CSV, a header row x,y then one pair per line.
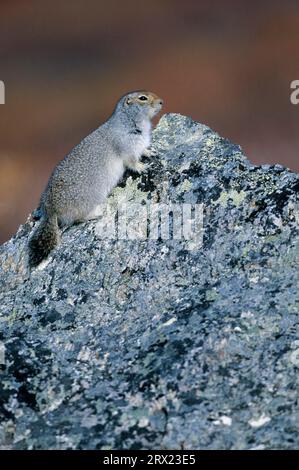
x,y
85,177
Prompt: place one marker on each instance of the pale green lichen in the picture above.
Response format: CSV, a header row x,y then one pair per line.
x,y
185,186
237,197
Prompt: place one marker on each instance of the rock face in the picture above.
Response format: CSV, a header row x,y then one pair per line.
x,y
128,344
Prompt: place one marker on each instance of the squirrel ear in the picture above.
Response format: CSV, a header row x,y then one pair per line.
x,y
128,101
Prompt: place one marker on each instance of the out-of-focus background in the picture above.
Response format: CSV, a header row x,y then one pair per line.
x,y
228,64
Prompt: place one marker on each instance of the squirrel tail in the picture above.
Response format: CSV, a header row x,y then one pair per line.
x,y
44,239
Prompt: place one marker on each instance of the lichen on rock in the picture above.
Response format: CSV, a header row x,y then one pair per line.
x,y
126,344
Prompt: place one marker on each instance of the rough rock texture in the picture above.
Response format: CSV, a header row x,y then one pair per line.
x,y
148,344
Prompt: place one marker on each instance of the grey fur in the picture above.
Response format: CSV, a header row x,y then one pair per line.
x,y
85,177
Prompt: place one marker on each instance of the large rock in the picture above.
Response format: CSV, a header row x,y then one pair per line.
x,y
148,343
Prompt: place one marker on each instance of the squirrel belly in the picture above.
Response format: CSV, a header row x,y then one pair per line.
x,y
87,175
114,173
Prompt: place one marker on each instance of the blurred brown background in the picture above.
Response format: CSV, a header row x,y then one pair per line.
x,y
228,64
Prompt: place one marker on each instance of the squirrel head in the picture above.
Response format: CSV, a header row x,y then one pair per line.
x,y
140,104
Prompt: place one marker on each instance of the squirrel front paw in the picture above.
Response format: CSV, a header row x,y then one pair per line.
x,y
150,152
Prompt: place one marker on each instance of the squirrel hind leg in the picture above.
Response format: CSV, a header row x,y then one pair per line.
x,y
44,239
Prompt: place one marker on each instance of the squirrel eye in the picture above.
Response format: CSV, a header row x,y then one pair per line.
x,y
142,98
